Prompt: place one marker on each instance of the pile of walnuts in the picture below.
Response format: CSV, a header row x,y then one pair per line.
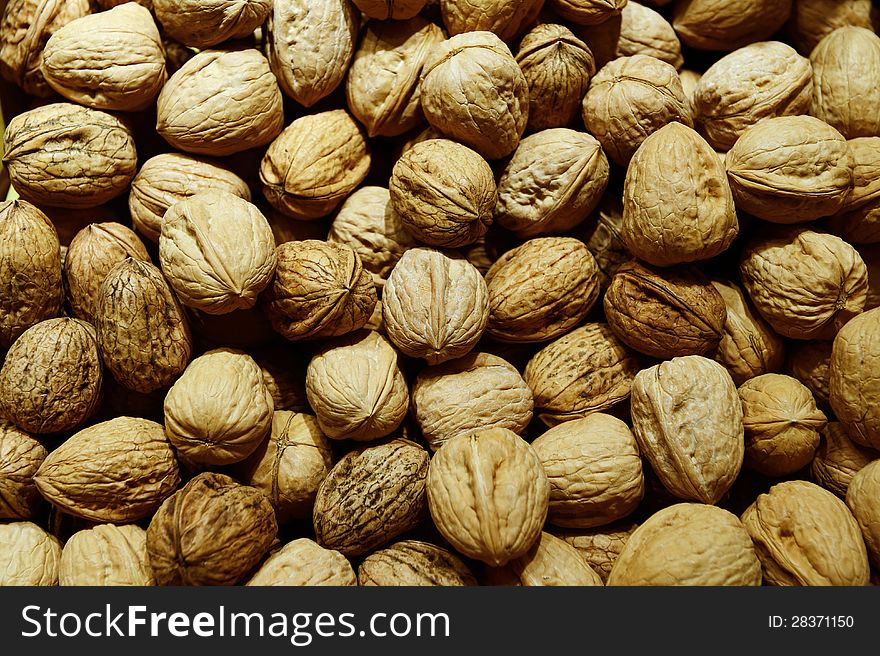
x,y
450,292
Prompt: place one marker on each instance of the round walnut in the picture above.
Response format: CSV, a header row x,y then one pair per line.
x,y
28,555
51,378
811,20
506,19
594,469
221,102
30,269
115,471
557,67
219,410
688,544
859,219
806,284
488,495
600,547
205,23
474,91
414,563
804,535
553,182
587,12
629,99
394,9
725,25
170,177
112,60
435,306
371,496
688,421
443,192
603,237
846,64
20,457
316,162
681,211
863,500
64,155
106,555
782,424
644,31
304,562
320,290
838,459
550,562
212,531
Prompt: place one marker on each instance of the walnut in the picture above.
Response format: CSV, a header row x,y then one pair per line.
x,y
863,500
811,20
205,23
64,155
304,562
601,546
414,563
838,459
604,239
587,12
858,221
505,19
29,555
106,555
20,457
725,25
810,363
394,9
644,31
550,562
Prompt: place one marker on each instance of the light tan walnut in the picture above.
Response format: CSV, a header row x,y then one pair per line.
x,y
587,12
644,31
414,563
863,500
303,562
205,23
506,19
725,25
550,562
20,457
838,459
106,555
28,555
601,546
810,362
811,20
394,9
858,221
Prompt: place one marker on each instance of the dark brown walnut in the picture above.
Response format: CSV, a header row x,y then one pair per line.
x,y
601,546
551,184
221,102
204,23
587,370
414,563
143,332
371,496
810,362
558,67
550,562
444,193
541,290
64,155
665,313
811,20
30,269
724,25
838,459
20,457
382,86
316,162
212,531
303,562
52,376
92,254
587,12
24,30
116,471
858,221
602,235
320,289
394,9
506,19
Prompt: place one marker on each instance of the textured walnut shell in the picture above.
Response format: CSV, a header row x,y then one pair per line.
x,y
435,306
394,9
604,239
594,470
838,459
505,19
688,421
790,169
219,103
587,370
488,495
170,177
550,562
219,410
644,31
587,12
552,183
115,471
316,162
846,64
371,496
20,457
310,44
688,544
680,212
414,563
811,20
52,376
304,562
106,555
781,424
863,501
64,155
30,269
443,192
320,290
806,284
854,384
92,254
212,531
600,547
804,535
810,363
724,25
474,92
629,99
28,555
205,23
541,289
112,60
859,219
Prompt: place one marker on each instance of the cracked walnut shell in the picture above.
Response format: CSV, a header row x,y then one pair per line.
x,y
303,562
20,457
205,23
106,555
414,563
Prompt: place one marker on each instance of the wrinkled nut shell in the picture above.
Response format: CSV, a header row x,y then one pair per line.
x,y
204,23
506,19
304,562
723,25
20,458
863,500
395,9
587,12
550,562
414,563
28,555
106,555
838,459
600,547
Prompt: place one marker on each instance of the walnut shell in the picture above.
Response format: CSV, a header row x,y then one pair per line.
x,y
64,155
811,20
804,535
600,547
30,269
115,471
371,496
644,31
106,555
550,562
506,19
587,12
219,103
604,239
304,562
688,544
20,457
205,23
28,555
414,563
394,9
488,495
212,531
810,363
724,25
838,459
688,421
859,219
863,501
854,385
